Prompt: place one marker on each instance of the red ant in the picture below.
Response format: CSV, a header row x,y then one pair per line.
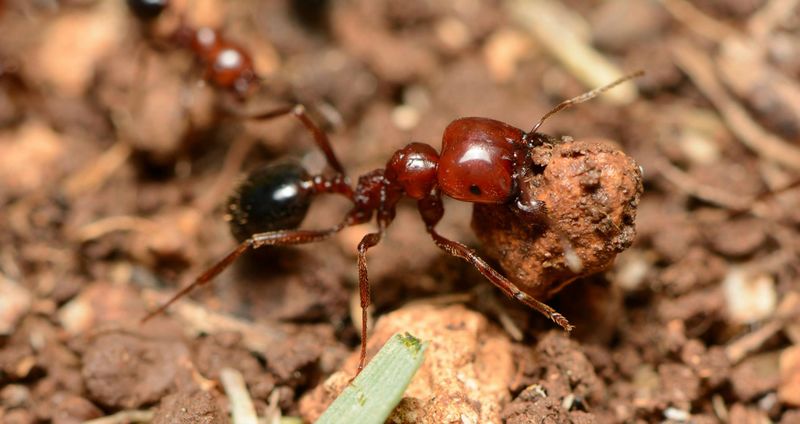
x,y
482,161
227,65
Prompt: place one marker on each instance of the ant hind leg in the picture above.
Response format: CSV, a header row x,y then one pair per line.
x,y
272,238
299,111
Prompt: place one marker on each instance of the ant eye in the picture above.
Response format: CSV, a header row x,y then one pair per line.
x,y
477,160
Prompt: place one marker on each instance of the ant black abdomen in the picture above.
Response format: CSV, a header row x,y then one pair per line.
x,y
147,10
273,197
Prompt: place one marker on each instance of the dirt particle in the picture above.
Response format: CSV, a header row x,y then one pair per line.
x,y
14,304
212,354
741,414
125,372
100,304
72,46
749,298
189,408
679,386
17,416
789,388
71,409
756,375
467,368
737,238
30,158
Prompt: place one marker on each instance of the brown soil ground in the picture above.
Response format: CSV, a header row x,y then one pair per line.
x,y
115,164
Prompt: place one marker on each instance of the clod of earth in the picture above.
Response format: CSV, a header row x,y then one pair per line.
x,y
124,371
591,191
190,407
559,379
465,376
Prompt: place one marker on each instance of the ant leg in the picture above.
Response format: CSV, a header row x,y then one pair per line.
x,y
299,111
432,210
369,240
272,238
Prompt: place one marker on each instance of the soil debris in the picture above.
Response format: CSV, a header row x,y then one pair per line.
x,y
115,157
453,382
124,371
190,407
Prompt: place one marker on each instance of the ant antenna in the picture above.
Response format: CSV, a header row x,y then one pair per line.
x,y
584,97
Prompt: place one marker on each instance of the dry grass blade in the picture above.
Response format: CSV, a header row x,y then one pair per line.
x,y
544,20
242,408
125,417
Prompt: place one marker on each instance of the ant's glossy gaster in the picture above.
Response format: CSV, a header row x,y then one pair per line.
x,y
481,161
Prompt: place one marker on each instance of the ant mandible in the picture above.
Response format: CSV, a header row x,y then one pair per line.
x,y
480,162
226,64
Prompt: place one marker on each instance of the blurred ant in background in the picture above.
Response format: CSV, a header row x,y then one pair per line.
x,y
481,161
227,65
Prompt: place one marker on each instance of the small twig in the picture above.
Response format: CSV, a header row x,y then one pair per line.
x,y
198,320
740,348
233,163
242,408
697,21
719,407
764,21
700,69
543,19
786,312
124,417
91,177
273,412
104,226
689,185
785,255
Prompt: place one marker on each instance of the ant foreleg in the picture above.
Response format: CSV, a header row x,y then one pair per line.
x,y
299,111
271,238
432,210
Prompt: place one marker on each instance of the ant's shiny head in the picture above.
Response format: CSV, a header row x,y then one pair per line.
x,y
477,160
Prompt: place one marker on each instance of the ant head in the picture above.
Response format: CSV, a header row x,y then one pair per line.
x,y
414,169
478,160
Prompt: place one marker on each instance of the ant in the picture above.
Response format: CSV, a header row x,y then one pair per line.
x,y
482,161
227,65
